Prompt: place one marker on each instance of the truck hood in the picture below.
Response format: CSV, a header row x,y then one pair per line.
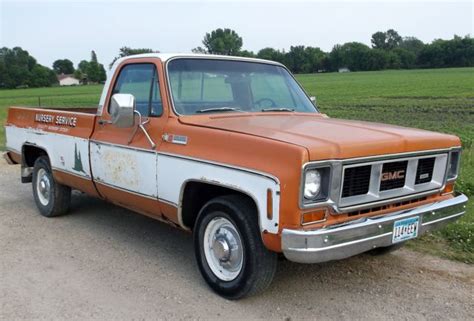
x,y
327,138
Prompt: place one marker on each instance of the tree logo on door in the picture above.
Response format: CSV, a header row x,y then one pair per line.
x,y
77,160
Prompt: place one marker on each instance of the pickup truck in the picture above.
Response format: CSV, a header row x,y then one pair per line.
x,y
233,150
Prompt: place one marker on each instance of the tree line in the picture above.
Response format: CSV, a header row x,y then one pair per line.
x,y
388,50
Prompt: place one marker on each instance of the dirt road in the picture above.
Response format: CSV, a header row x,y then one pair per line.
x,y
103,262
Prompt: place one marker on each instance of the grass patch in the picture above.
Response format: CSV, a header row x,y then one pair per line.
x,y
433,99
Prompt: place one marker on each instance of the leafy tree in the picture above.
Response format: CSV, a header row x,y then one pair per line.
x,y
379,40
93,56
199,50
457,52
127,51
335,58
19,69
386,40
407,58
296,60
63,66
393,39
355,56
246,53
272,54
412,44
42,77
91,71
223,42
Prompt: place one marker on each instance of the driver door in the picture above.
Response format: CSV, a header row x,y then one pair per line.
x,y
123,160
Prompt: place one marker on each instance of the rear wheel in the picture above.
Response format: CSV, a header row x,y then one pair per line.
x,y
229,249
52,198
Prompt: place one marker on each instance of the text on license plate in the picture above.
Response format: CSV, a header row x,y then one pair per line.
x,y
405,229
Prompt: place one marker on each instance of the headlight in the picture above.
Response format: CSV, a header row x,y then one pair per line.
x,y
312,184
453,166
315,187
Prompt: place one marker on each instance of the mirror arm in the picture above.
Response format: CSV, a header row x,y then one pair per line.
x,y
141,125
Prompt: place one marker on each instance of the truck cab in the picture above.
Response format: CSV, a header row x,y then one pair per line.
x,y
234,151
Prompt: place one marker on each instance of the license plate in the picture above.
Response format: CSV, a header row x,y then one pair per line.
x,y
405,229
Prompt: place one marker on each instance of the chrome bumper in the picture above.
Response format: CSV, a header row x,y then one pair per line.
x,y
345,240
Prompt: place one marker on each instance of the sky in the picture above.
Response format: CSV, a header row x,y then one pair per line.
x,y
55,29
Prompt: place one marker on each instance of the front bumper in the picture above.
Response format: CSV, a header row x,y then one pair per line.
x,y
345,240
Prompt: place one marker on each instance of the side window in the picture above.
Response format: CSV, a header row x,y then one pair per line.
x,y
141,80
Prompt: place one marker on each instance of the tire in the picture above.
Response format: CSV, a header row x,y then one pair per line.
x,y
386,250
51,198
232,220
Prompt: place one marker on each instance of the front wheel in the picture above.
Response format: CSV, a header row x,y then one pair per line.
x,y
229,249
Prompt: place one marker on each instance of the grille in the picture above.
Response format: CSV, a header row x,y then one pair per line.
x,y
356,181
393,175
424,171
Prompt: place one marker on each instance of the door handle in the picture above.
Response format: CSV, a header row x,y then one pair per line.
x,y
104,122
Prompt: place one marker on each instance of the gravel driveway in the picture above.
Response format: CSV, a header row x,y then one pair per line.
x,y
104,262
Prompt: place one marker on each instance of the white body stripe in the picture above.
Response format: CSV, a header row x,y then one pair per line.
x,y
151,174
126,168
66,153
175,172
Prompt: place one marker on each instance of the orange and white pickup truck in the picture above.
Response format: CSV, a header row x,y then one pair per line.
x,y
235,151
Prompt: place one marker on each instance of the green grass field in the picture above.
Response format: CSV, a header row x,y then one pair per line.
x,y
436,99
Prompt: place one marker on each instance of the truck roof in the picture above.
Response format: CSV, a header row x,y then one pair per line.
x,y
168,56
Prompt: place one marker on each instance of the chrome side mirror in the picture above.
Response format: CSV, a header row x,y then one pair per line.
x,y
313,99
122,110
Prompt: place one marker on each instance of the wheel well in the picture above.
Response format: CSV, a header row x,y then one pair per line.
x,y
31,154
197,194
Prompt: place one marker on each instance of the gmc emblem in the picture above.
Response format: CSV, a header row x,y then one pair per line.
x,y
388,176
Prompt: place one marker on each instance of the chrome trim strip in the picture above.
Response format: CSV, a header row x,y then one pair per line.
x,y
98,142
387,201
71,173
125,190
358,236
168,202
243,169
452,179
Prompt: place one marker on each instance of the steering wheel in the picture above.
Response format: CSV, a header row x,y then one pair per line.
x,y
260,101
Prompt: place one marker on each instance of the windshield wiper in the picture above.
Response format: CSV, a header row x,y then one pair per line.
x,y
212,109
278,109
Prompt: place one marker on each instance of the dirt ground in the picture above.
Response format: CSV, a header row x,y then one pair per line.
x,y
104,262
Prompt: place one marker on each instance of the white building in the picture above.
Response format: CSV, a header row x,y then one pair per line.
x,y
67,80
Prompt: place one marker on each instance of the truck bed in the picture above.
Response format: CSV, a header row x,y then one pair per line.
x,y
64,133
77,122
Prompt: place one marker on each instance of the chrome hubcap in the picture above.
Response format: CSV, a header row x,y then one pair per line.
x,y
43,187
223,248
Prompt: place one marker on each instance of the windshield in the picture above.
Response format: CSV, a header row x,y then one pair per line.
x,y
212,86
